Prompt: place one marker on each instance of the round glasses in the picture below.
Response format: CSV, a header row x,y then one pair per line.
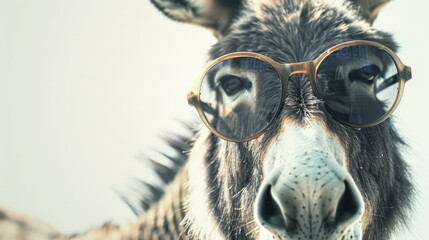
x,y
239,94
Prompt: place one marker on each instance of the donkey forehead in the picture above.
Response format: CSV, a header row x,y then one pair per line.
x,y
294,31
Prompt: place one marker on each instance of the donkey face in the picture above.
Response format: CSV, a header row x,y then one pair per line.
x,y
307,176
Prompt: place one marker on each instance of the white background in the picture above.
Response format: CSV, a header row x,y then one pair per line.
x,y
87,86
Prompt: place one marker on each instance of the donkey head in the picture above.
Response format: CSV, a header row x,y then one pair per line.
x,y
300,145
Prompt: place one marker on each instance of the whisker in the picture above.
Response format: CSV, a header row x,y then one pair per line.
x,y
252,231
245,224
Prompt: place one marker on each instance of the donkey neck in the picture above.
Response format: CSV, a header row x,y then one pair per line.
x,y
164,219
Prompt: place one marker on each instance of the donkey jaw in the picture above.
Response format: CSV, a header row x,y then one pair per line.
x,y
307,192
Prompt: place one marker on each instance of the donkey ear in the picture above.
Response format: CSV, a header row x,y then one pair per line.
x,y
369,9
216,15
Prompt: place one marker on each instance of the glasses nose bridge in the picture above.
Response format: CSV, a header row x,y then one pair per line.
x,y
306,68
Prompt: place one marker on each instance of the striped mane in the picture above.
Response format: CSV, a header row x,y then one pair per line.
x,y
165,166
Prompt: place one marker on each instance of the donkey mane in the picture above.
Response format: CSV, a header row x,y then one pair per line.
x,y
166,165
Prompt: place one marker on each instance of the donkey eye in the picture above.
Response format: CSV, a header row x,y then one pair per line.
x,y
366,74
232,84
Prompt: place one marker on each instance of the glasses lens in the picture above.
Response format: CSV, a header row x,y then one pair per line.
x,y
359,84
240,96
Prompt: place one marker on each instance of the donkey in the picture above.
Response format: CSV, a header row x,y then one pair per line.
x,y
298,144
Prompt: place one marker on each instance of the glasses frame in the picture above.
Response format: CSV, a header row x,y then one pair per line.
x,y
287,70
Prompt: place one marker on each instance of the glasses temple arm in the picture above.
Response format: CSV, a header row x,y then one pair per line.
x,y
388,82
193,99
406,74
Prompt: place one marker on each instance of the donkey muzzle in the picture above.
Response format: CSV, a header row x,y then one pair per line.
x,y
307,192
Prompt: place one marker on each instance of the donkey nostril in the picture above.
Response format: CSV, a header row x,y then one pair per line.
x,y
349,207
269,212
